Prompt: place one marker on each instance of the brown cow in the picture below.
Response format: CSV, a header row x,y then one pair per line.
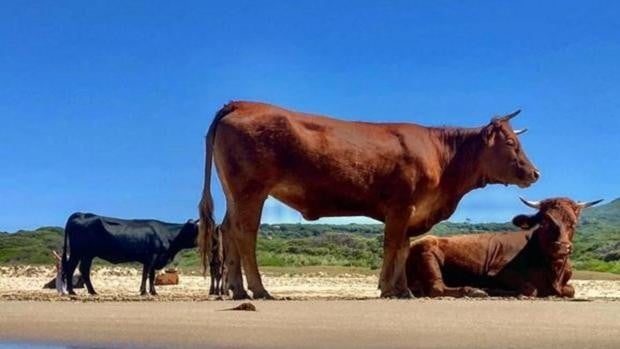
x,y
169,277
405,175
532,262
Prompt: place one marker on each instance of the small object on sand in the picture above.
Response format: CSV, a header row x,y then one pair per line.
x,y
170,277
247,306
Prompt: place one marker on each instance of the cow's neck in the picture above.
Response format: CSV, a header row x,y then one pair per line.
x,y
555,266
461,170
459,173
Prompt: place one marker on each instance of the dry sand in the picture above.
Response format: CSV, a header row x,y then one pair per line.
x,y
317,324
121,284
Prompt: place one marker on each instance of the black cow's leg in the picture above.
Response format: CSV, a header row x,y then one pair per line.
x,y
68,273
152,281
145,271
85,265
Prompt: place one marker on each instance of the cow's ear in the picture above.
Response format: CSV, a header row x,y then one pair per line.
x,y
488,134
526,222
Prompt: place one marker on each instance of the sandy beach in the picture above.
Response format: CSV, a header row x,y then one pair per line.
x,y
121,284
316,310
316,324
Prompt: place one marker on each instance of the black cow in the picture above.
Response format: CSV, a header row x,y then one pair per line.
x,y
150,242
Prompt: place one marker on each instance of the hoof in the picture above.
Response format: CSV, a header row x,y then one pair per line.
x,y
143,293
476,293
240,295
262,295
395,294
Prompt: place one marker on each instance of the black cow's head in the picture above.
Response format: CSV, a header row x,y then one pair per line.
x,y
503,160
557,220
188,234
185,238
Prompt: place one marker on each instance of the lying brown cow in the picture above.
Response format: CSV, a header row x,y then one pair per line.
x,y
406,175
533,262
170,277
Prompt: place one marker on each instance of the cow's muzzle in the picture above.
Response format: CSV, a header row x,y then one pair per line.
x,y
562,249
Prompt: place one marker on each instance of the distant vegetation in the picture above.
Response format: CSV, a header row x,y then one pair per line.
x,y
597,243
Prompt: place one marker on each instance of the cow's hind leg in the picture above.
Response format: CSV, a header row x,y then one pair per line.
x,y
246,221
85,266
68,271
431,277
233,279
212,286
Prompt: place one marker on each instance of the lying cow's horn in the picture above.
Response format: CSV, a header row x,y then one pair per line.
x,y
532,204
521,131
511,115
588,204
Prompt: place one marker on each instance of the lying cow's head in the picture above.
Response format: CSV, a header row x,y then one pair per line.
x,y
557,220
503,160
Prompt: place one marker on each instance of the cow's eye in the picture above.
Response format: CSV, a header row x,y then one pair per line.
x,y
510,142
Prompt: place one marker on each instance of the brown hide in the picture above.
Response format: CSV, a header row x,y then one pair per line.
x,y
170,277
406,175
532,262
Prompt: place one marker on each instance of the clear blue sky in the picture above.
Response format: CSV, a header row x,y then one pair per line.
x,y
104,104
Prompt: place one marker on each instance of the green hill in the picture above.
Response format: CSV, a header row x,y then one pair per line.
x,y
597,243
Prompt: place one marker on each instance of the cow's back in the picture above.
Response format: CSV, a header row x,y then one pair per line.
x,y
115,240
316,164
471,259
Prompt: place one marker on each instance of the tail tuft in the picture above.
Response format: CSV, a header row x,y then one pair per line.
x,y
206,225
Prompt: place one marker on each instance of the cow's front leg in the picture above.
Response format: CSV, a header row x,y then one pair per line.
x,y
145,271
393,280
152,281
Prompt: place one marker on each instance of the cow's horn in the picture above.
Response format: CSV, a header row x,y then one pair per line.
x,y
521,131
511,115
588,204
532,204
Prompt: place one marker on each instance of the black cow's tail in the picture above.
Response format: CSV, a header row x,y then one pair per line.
x,y
61,285
206,225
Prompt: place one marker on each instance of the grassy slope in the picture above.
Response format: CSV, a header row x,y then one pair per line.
x,y
597,244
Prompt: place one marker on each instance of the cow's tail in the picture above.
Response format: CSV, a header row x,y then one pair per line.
x,y
205,208
62,278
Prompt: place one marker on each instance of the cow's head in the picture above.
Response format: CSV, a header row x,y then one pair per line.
x,y
187,235
557,220
503,159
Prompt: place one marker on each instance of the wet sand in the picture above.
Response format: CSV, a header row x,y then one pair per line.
x,y
318,324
